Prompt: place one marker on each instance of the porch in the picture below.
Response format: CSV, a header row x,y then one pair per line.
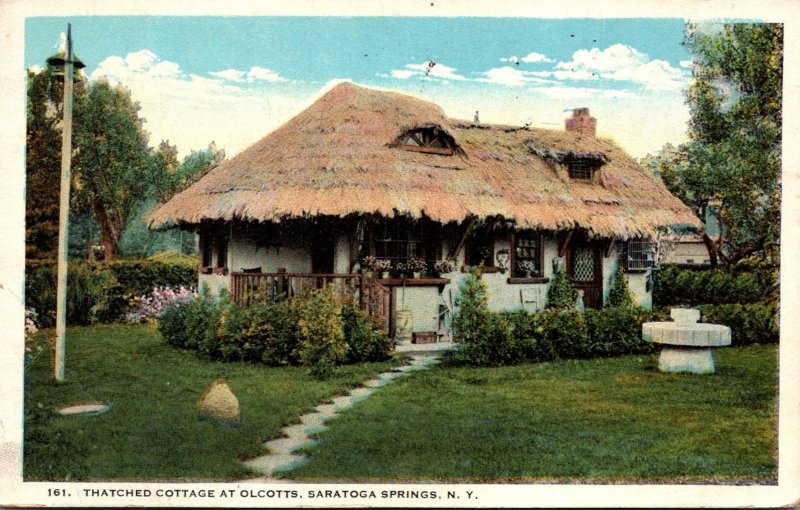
x,y
379,298
368,293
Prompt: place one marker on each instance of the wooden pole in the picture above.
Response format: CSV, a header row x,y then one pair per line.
x,y
63,216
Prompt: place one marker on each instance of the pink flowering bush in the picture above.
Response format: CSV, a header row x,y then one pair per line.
x,y
153,305
34,344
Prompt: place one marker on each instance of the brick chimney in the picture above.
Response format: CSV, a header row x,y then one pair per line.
x,y
581,122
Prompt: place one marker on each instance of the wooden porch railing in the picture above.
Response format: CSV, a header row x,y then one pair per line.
x,y
367,293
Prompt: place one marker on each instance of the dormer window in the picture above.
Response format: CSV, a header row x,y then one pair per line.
x,y
583,168
430,140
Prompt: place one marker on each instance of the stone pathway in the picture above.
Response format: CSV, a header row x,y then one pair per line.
x,y
281,456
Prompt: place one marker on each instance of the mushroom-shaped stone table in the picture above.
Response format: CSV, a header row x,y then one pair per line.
x,y
687,346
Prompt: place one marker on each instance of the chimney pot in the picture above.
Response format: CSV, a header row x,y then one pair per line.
x,y
581,122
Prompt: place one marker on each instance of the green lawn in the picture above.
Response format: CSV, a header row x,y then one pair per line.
x,y
152,431
588,421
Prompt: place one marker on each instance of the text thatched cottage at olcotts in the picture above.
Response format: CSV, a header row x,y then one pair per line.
x,y
365,172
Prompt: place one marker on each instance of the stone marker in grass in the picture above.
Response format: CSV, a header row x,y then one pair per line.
x,y
219,405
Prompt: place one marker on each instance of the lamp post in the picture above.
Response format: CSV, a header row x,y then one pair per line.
x,y
66,61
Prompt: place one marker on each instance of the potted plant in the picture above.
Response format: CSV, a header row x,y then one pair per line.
x,y
368,265
383,266
527,267
441,267
416,266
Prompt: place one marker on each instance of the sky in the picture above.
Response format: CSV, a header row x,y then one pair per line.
x,y
232,80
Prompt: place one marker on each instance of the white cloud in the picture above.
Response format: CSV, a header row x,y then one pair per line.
x,y
191,110
531,58
229,74
621,62
263,74
402,74
430,70
511,77
536,57
140,60
35,69
253,75
686,64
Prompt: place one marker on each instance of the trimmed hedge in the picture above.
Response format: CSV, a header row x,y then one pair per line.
x,y
683,286
750,323
507,338
99,291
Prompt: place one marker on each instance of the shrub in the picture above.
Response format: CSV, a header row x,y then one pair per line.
x,y
619,294
282,347
99,291
750,323
152,305
561,294
564,334
615,331
194,325
322,344
172,325
92,295
366,340
471,322
473,307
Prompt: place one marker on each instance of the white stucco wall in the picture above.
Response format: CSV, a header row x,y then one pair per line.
x,y
243,254
423,303
532,296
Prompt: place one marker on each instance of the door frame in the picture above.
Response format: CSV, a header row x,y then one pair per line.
x,y
593,289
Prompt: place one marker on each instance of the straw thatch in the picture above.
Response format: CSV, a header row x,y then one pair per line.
x,y
337,158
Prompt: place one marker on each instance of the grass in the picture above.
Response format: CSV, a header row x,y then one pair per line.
x,y
152,431
585,421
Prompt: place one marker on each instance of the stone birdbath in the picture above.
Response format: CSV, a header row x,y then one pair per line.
x,y
687,346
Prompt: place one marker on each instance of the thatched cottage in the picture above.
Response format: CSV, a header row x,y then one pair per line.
x,y
365,172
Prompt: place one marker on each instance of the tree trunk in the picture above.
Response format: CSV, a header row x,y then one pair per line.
x,y
87,230
712,250
109,236
110,243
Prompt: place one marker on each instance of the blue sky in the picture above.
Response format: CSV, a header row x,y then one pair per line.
x,y
233,79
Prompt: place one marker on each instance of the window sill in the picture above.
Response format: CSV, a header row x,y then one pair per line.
x,y
485,270
414,282
524,279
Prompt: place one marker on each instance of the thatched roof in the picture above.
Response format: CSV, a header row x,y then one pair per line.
x,y
336,158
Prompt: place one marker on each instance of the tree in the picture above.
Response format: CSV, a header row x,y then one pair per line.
x,y
112,171
171,177
42,169
731,165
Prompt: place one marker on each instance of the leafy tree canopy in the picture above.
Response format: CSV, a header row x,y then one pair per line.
x,y
731,164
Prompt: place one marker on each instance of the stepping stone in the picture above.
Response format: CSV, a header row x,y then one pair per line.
x,y
268,464
313,422
326,410
343,403
360,393
288,444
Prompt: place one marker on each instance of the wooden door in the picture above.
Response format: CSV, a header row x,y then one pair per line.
x,y
585,270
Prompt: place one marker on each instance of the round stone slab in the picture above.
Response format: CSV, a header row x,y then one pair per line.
x,y
83,409
689,335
